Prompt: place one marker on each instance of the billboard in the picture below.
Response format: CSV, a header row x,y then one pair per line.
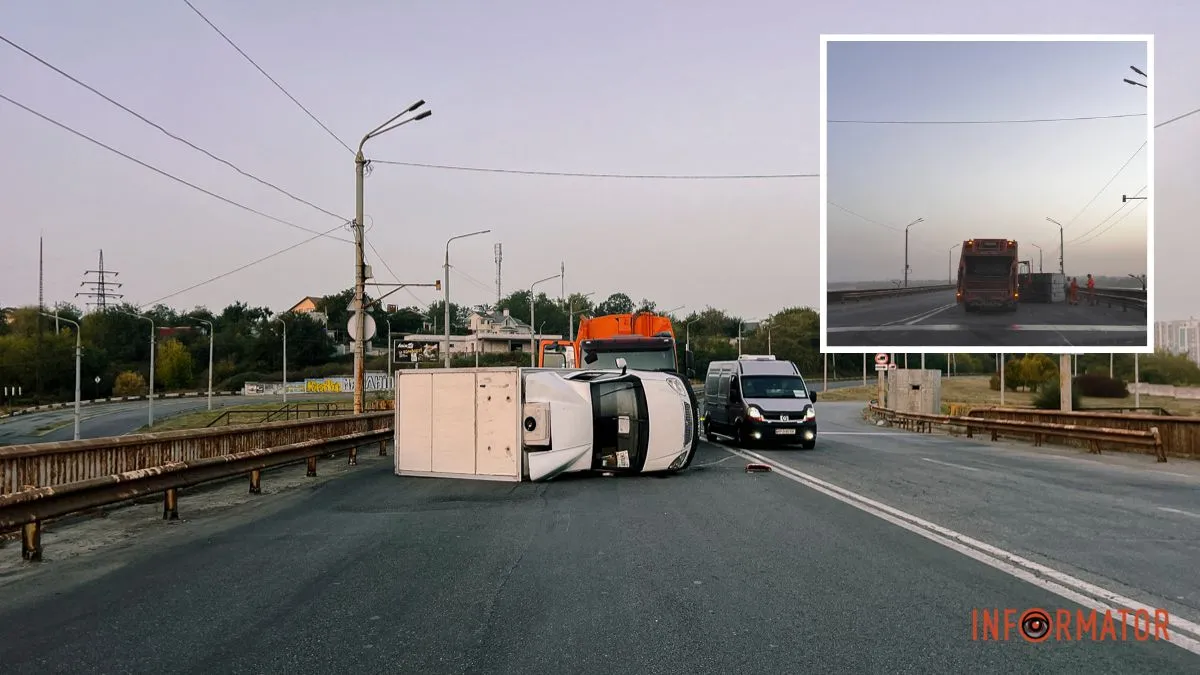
x,y
345,385
417,351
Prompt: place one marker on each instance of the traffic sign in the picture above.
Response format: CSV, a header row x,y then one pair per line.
x,y
881,366
891,366
881,359
352,326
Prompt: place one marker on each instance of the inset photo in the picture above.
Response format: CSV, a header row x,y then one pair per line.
x,y
987,193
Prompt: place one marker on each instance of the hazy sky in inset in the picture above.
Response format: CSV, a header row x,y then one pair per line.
x,y
984,180
627,87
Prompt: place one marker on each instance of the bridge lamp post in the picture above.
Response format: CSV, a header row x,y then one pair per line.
x,y
532,336
1062,267
446,289
285,382
906,229
78,354
152,347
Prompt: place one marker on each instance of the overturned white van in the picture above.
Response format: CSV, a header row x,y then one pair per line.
x,y
512,424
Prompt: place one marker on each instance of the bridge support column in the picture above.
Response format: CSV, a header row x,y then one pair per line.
x,y
383,448
256,482
31,541
171,504
353,456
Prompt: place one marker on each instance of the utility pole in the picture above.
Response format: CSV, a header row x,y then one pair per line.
x,y
78,355
211,334
360,316
499,257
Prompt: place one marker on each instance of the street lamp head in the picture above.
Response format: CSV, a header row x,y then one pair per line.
x,y
1139,72
422,116
416,105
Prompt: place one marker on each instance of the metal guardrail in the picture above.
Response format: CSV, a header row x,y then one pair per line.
x,y
1096,436
49,480
1110,299
1180,434
290,411
870,293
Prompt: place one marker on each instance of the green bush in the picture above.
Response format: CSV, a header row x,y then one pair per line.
x,y
1047,397
1098,385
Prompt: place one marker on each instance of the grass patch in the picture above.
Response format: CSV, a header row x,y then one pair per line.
x,y
238,414
974,392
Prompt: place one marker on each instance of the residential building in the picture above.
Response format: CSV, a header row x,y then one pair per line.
x,y
1179,337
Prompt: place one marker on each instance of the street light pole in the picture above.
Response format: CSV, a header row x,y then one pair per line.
x,y
1062,267
571,316
285,382
78,355
532,336
906,228
360,166
211,332
152,341
950,263
446,290
1040,252
391,349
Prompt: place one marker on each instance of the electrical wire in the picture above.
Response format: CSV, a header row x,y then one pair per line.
x,y
266,75
165,174
1014,121
1177,118
578,174
239,269
394,275
864,218
1114,224
169,134
1110,217
468,277
1110,181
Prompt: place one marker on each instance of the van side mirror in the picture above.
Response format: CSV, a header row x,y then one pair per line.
x,y
691,373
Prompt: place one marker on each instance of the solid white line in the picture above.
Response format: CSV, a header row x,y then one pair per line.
x,y
864,433
1184,513
923,315
1022,328
956,466
1044,577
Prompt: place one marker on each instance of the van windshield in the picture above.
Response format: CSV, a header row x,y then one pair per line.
x,y
773,386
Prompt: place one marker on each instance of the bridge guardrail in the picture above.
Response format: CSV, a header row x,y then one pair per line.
x,y
871,293
49,480
1095,436
1180,435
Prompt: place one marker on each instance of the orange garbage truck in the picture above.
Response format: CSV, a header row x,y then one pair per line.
x,y
646,341
988,275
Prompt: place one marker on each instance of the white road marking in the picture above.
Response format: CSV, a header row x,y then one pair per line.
x,y
956,466
1021,328
1184,634
863,433
1180,512
908,320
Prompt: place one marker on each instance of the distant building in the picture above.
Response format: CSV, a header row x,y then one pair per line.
x,y
1179,337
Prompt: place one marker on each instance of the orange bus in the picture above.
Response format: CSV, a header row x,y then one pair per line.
x,y
988,276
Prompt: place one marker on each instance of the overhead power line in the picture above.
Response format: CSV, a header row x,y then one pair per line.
x,y
1110,217
266,75
160,172
1012,121
580,174
1177,118
1114,223
169,134
864,218
239,269
391,272
1110,181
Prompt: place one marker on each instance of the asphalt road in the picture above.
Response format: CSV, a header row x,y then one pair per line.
x,y
109,419
935,319
714,570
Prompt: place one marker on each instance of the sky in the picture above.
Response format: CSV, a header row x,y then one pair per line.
x,y
621,87
985,180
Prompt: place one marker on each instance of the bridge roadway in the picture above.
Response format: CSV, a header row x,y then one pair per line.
x,y
936,320
111,419
714,570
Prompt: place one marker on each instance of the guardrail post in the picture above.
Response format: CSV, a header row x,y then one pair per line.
x,y
31,541
383,448
1160,452
256,481
171,504
353,454
312,467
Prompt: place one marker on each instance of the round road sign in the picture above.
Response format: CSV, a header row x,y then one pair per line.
x,y
881,359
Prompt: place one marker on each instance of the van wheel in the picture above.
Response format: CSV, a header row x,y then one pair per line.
x,y
739,436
